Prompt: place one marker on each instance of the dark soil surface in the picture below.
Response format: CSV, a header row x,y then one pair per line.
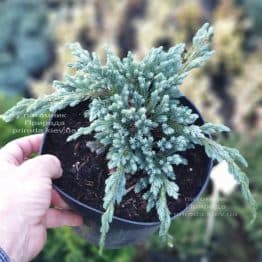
x,y
85,172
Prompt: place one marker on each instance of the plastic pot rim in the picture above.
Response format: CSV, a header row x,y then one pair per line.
x,y
77,202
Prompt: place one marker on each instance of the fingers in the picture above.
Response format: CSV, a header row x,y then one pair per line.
x,y
18,150
59,218
57,201
44,165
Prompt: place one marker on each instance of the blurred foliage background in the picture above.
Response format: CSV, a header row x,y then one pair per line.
x,y
228,89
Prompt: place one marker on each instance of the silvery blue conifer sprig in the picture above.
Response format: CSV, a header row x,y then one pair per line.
x,y
129,101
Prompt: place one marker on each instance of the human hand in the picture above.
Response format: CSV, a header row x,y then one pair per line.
x,y
25,197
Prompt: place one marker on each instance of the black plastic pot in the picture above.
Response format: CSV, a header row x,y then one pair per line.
x,y
122,231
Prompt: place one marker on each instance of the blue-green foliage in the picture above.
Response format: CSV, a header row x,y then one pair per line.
x,y
24,43
136,117
64,245
254,9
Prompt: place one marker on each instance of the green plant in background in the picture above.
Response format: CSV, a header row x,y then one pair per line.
x,y
245,241
230,27
19,127
64,243
10,131
246,114
25,43
130,100
176,21
254,9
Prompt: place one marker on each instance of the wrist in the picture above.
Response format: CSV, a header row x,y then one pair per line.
x,y
13,233
13,244
7,245
3,256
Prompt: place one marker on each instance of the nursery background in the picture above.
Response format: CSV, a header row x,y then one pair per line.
x,y
33,53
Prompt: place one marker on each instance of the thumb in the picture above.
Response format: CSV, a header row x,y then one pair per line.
x,y
44,165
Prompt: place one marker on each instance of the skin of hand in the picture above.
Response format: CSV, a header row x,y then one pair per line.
x,y
26,195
